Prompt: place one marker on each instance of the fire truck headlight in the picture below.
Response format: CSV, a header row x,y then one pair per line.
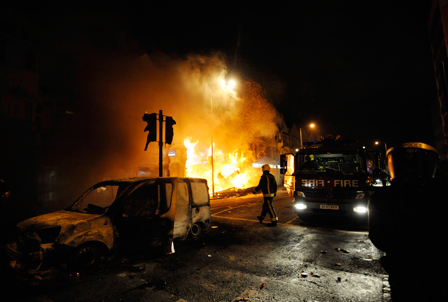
x,y
360,209
300,206
360,195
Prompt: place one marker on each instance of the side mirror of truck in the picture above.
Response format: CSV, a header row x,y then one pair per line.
x,y
282,160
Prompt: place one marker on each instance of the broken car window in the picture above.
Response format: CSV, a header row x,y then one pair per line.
x,y
167,190
143,202
200,193
98,198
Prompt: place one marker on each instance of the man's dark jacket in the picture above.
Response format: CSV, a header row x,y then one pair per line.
x,y
267,185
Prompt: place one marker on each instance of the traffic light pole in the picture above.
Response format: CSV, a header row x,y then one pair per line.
x,y
151,119
160,143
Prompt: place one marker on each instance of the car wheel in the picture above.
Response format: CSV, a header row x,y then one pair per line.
x,y
85,257
196,230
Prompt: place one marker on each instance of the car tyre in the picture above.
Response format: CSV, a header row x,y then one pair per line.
x,y
85,257
196,230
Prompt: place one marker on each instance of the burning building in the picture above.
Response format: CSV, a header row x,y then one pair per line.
x,y
225,129
220,131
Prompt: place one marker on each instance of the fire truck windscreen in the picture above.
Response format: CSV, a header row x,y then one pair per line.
x,y
330,162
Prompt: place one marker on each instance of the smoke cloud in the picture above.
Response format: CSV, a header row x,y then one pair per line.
x,y
116,91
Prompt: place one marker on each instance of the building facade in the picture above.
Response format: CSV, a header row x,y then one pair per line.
x,y
438,30
37,101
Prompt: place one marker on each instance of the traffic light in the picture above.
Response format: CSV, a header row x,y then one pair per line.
x,y
151,119
169,122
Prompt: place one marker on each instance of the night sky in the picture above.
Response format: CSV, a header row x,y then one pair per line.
x,y
361,69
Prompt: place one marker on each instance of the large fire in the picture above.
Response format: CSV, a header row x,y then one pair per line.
x,y
208,107
228,136
231,170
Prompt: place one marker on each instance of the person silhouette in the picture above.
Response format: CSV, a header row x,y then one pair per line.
x,y
407,222
268,186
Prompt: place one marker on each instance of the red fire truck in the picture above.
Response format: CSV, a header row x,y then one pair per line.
x,y
328,177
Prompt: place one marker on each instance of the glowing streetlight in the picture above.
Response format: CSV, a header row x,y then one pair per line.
x,y
312,125
228,86
379,143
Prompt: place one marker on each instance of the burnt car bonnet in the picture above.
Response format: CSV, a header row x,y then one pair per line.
x,y
59,218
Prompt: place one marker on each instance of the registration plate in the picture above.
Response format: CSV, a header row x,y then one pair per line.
x,y
329,207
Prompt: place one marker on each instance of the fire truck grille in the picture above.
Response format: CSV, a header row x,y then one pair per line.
x,y
332,212
330,194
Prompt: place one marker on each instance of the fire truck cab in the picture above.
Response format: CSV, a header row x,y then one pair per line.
x,y
329,177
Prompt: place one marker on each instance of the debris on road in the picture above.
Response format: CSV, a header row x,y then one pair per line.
x,y
262,285
304,275
341,250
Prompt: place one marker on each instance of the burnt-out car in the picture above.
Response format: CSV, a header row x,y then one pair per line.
x,y
132,212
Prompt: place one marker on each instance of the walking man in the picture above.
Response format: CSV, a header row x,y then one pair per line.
x,y
268,187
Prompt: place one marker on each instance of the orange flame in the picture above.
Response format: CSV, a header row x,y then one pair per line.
x,y
231,170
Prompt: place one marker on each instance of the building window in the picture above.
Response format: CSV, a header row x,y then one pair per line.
x,y
8,28
28,111
31,61
2,51
443,85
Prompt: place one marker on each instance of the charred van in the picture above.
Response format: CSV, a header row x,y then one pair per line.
x,y
139,212
328,177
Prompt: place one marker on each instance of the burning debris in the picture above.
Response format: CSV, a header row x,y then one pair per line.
x,y
233,192
233,172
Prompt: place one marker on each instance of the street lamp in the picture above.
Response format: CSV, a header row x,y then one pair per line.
x,y
379,143
213,171
312,125
227,86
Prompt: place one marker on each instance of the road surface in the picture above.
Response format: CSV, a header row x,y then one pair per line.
x,y
239,259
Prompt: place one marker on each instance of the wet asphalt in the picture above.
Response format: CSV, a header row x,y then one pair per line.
x,y
239,259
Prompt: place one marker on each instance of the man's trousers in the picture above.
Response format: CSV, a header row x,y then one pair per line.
x,y
268,208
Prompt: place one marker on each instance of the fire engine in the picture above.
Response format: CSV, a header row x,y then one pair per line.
x,y
328,177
